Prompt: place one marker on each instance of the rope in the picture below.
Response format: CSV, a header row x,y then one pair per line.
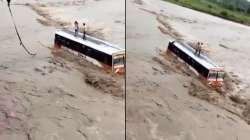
x,y
18,35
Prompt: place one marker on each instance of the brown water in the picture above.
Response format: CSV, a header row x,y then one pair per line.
x,y
159,106
46,97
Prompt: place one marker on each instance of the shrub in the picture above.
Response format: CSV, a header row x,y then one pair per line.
x,y
248,10
210,6
224,13
230,7
239,9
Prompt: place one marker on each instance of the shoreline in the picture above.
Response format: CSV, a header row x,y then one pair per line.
x,y
230,17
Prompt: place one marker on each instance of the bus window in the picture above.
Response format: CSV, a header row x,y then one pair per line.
x,y
212,75
221,75
118,61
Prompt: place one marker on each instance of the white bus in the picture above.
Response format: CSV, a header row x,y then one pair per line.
x,y
202,64
106,53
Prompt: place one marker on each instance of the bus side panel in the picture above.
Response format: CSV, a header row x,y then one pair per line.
x,y
90,52
100,56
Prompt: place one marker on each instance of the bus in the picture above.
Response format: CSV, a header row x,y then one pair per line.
x,y
106,53
202,64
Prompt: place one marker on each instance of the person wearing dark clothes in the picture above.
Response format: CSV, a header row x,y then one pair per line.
x,y
8,2
200,48
84,30
76,28
197,46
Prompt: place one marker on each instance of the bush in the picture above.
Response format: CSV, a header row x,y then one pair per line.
x,y
230,7
210,6
239,9
242,22
248,10
224,13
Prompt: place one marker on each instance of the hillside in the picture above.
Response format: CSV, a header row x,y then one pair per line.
x,y
234,10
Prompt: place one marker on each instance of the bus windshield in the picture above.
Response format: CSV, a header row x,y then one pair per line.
x,y
216,75
221,75
118,61
212,75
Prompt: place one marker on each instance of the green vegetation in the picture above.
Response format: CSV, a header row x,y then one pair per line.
x,y
234,10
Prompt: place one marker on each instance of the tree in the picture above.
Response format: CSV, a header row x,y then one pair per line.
x,y
230,7
248,10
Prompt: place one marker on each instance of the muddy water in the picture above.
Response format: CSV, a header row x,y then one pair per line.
x,y
158,104
45,97
216,32
221,37
110,20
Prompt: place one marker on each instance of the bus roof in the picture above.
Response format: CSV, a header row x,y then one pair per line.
x,y
92,42
202,59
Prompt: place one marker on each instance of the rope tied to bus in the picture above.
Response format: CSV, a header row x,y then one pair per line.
x,y
18,35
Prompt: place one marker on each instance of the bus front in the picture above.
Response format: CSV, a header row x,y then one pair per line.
x,y
216,77
118,65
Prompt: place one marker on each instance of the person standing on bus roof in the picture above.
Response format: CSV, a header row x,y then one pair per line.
x,y
8,1
197,47
84,30
200,47
76,28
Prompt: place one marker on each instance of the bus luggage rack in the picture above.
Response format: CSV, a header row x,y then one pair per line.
x,y
109,55
202,64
